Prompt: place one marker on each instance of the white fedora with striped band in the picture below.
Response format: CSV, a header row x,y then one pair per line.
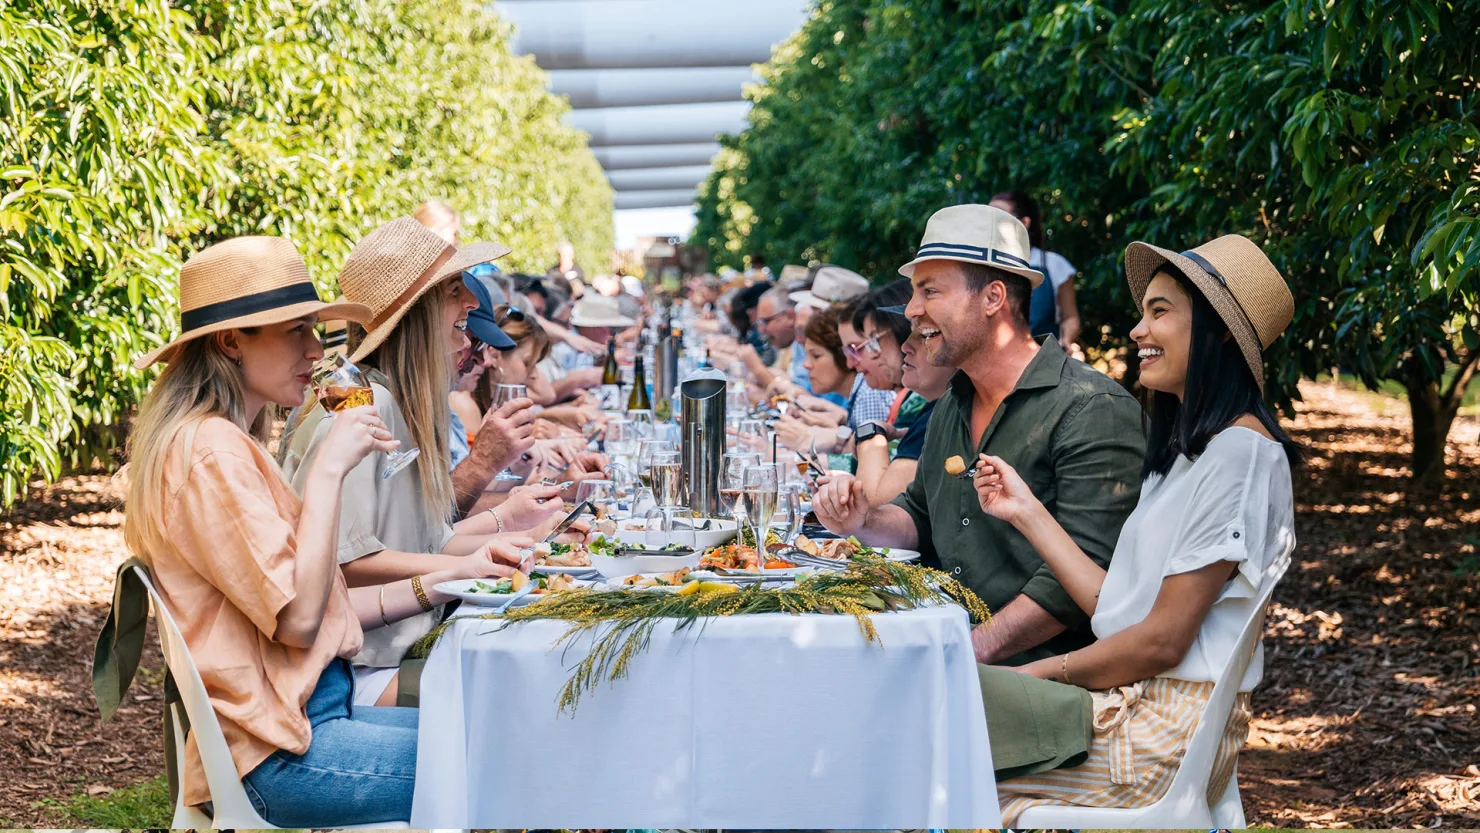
x,y
976,234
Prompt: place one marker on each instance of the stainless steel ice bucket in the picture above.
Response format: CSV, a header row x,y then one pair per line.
x,y
703,424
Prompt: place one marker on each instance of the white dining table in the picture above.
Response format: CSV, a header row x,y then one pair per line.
x,y
749,721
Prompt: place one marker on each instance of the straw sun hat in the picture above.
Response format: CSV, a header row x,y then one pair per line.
x,y
246,282
1237,279
392,267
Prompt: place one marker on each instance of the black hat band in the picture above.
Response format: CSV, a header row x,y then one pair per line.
x,y
283,296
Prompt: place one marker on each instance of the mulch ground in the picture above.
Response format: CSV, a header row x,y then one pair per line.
x,y
1367,716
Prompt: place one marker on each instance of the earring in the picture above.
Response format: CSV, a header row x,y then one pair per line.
x,y
237,360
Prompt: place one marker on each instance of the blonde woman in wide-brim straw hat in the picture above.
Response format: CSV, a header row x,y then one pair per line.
x,y
244,564
242,283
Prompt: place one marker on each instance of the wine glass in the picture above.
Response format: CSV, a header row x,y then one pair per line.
x,y
642,418
665,525
750,436
502,395
732,482
759,490
603,497
340,385
644,461
737,401
621,438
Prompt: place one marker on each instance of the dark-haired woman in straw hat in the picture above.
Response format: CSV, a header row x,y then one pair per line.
x,y
393,528
248,568
1215,510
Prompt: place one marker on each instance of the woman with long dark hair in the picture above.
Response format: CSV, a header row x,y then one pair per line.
x,y
1215,510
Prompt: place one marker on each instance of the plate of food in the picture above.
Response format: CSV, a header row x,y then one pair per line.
x,y
491,592
613,559
737,558
847,549
570,559
634,533
669,581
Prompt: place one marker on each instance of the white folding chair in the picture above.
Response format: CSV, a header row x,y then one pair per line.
x,y
1185,803
229,799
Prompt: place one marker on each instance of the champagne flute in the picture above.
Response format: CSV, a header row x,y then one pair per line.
x,y
502,395
340,386
759,489
644,461
666,470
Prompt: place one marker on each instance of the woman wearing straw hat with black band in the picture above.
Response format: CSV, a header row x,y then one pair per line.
x,y
247,569
1215,510
396,527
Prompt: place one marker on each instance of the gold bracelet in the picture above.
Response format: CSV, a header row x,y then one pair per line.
x,y
497,520
382,607
1064,668
421,595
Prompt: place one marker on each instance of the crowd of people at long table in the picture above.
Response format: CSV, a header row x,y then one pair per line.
x,y
1119,547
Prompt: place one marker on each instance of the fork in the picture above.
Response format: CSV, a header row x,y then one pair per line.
x,y
518,594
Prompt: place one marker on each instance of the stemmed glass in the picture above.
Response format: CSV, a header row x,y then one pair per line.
x,y
759,491
666,470
502,395
603,497
642,420
340,386
751,436
732,482
644,461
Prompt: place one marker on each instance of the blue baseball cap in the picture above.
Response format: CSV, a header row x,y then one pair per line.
x,y
480,321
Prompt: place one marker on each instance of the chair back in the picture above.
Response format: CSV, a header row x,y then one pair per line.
x,y
1197,763
228,798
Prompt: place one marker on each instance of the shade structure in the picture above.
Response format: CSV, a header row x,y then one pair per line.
x,y
624,157
670,198
663,124
588,88
658,179
605,34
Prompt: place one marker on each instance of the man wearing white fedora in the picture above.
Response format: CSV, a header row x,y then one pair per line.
x,y
1071,432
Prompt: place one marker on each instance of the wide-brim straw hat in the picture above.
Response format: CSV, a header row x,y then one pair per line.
x,y
1239,281
595,310
391,268
246,282
974,233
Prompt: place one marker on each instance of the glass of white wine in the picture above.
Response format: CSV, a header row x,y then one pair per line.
x,y
502,395
666,470
758,490
340,386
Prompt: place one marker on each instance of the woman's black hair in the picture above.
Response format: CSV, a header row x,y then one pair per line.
x,y
1024,207
870,310
742,303
1219,389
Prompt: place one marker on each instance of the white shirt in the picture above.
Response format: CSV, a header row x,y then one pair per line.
x,y
1234,503
1054,265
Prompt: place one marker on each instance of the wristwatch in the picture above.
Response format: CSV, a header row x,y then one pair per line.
x,y
867,431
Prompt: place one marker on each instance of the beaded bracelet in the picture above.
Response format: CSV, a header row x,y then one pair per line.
x,y
497,520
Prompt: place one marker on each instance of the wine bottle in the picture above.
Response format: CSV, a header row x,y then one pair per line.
x,y
638,399
609,372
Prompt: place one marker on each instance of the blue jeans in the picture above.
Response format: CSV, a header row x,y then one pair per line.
x,y
360,766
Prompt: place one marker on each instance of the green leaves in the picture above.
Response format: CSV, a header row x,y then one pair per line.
x,y
136,132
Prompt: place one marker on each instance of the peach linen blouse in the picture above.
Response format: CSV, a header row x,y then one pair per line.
x,y
231,525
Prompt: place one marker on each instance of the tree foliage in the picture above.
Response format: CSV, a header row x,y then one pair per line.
x,y
1341,136
134,132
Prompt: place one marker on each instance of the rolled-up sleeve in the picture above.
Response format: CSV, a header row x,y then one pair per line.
x,y
914,500
228,529
1098,455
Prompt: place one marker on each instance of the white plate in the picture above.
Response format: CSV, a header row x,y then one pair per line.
x,y
612,567
788,572
721,532
890,553
556,570
465,589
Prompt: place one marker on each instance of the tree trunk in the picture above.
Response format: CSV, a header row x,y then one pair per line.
x,y
1432,417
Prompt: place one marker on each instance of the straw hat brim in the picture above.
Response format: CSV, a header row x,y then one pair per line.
x,y
1033,275
465,258
806,298
1143,260
326,312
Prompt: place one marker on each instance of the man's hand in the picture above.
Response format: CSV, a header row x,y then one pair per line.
x,y
529,506
841,506
583,344
507,431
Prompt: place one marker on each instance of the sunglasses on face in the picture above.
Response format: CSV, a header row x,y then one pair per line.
x,y
510,314
869,346
763,321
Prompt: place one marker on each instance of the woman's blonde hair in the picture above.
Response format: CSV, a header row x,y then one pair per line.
x,y
414,360
199,382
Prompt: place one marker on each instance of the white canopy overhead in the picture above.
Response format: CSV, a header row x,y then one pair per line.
x,y
654,82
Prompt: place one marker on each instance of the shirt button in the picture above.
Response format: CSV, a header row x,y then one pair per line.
x,y
956,572
966,522
1235,534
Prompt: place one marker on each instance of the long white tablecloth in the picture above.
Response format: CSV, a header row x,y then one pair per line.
x,y
761,721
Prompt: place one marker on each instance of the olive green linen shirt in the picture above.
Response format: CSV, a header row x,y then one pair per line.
x,y
1076,438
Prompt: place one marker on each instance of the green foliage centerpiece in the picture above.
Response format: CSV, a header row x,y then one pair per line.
x,y
622,621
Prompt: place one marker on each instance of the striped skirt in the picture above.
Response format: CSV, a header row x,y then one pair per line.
x,y
1141,733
